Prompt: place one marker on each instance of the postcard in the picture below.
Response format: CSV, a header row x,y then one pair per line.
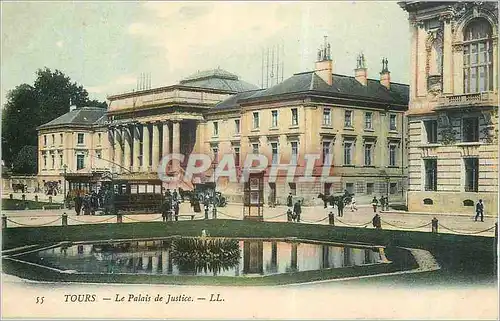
x,y
250,160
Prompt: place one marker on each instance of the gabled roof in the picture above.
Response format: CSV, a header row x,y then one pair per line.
x,y
217,79
83,116
342,86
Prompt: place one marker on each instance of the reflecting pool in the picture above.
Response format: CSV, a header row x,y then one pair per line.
x,y
204,257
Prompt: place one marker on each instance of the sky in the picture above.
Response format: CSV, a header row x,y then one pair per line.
x,y
105,46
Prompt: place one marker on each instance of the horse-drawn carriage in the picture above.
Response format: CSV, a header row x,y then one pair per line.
x,y
333,200
19,187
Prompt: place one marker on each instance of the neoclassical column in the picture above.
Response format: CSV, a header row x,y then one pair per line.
x,y
176,143
447,57
166,139
137,148
155,147
127,150
421,60
176,137
145,148
118,153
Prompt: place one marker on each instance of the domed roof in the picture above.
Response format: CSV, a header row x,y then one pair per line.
x,y
218,79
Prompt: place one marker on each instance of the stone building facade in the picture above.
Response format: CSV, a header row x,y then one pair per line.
x,y
76,142
355,125
453,119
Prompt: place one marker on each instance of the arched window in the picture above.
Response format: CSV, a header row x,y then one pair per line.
x,y
478,57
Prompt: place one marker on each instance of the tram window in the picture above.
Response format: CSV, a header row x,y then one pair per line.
x,y
133,189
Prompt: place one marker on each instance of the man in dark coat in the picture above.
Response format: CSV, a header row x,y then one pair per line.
x,y
78,204
289,200
340,206
479,210
297,210
376,222
176,210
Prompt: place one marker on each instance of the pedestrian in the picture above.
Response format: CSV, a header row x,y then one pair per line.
x,y
386,201
207,208
176,210
353,204
374,204
376,222
289,215
174,195
340,206
479,210
297,210
382,203
164,211
78,204
289,200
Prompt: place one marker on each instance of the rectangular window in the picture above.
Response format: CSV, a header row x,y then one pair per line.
x,y
392,122
327,117
274,118
470,129
237,156
471,174
62,138
80,138
393,188
53,161
44,140
368,120
348,118
295,117
274,153
53,139
61,160
430,174
293,188
347,153
431,131
44,161
392,155
326,152
255,148
216,129
255,120
237,126
349,187
295,152
80,161
369,188
99,138
368,154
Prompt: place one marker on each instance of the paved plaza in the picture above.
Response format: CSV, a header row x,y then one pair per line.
x,y
391,220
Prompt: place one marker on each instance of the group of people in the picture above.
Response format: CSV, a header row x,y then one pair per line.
x,y
170,206
384,203
88,203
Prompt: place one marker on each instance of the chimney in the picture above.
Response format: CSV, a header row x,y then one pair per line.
x,y
385,74
361,73
71,105
324,64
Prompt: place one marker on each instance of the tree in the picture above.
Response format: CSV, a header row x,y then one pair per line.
x,y
29,106
19,120
26,161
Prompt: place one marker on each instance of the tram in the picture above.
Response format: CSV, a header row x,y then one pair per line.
x,y
137,195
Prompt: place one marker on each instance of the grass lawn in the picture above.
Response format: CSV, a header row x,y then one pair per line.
x,y
14,204
463,259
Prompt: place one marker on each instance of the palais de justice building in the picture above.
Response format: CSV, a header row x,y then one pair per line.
x,y
355,124
453,111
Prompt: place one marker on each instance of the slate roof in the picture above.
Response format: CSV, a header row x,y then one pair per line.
x,y
342,86
83,116
217,79
232,102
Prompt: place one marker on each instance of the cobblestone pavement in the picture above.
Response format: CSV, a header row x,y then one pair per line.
x,y
457,224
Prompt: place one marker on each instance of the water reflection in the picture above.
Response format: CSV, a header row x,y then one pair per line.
x,y
191,256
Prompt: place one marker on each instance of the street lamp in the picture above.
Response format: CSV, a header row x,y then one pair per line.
x,y
65,167
214,209
387,179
